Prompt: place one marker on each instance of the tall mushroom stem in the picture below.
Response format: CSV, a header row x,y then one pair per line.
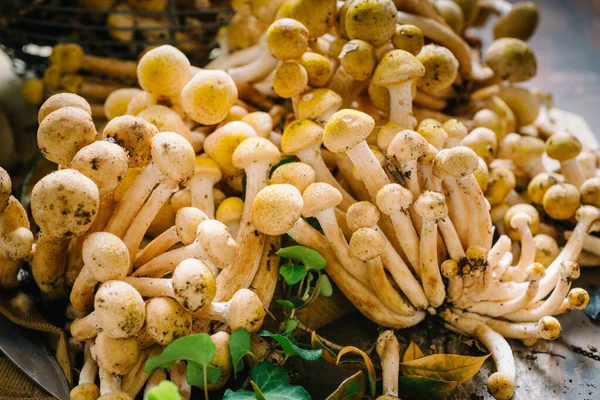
x,y
388,350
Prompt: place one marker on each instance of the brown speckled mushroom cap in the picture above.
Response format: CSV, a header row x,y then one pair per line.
x,y
134,134
408,145
366,244
187,220
276,209
174,156
63,100
393,198
396,67
347,128
64,132
119,309
431,206
117,356
105,163
371,20
297,174
5,188
106,256
301,134
64,203
194,284
255,150
166,320
314,103
563,146
319,197
208,97
441,68
458,162
217,242
362,214
246,311
163,71
511,60
569,270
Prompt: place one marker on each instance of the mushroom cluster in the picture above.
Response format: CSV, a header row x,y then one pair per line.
x,y
425,166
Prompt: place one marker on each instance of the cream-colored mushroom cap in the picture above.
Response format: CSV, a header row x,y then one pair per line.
x,y
431,206
520,22
117,356
408,145
393,198
174,156
139,103
379,96
166,320
194,284
318,197
396,67
276,209
255,150
563,146
208,97
117,102
246,311
217,242
64,132
105,163
314,103
569,270
296,174
207,168
222,358
546,249
85,391
5,188
527,149
221,144
301,134
458,162
522,102
163,71
135,135
432,130
287,38
590,191
441,68
166,120
61,100
362,214
119,309
260,121
366,244
501,386
64,203
511,60
105,256
347,128
373,21
548,328
187,220
358,59
527,209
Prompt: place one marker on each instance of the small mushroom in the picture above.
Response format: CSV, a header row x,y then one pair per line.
x,y
86,388
214,85
244,310
565,148
511,60
388,350
163,72
166,320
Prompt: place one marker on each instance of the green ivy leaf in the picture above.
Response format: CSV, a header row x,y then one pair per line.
x,y
294,304
325,288
292,274
291,347
290,325
270,382
352,388
166,390
423,387
197,348
239,346
195,374
309,257
285,160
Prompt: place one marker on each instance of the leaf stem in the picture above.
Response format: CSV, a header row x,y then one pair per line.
x,y
328,343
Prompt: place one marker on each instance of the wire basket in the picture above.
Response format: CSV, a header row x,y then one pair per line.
x,y
29,28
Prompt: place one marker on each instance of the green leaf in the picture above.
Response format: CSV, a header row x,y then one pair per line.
x,y
270,382
195,374
239,346
292,274
294,304
309,257
285,160
368,365
352,388
445,367
291,347
197,348
325,288
166,390
412,352
290,325
422,387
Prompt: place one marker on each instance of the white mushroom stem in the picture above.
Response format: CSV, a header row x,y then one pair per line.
x,y
502,383
458,208
151,287
89,370
521,222
177,374
133,381
401,104
384,289
572,171
502,265
591,244
367,165
236,59
109,383
407,237
254,71
388,350
157,246
481,233
498,250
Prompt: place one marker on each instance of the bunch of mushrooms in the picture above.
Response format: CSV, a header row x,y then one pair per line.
x,y
437,181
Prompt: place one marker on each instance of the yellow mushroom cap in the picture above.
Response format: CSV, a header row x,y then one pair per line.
x,y
287,38
208,96
526,209
117,102
261,121
163,71
373,21
451,13
590,191
578,298
539,184
207,167
301,134
511,60
546,249
522,102
33,91
501,386
457,162
318,67
441,68
393,198
561,201
246,311
116,355
166,120
408,38
297,174
548,328
500,182
85,391
253,151
230,210
221,144
396,67
347,128
67,56
520,22
276,209
379,96
433,132
167,320
317,15
314,103
290,79
120,309
63,100
318,197
139,103
527,149
563,146
366,244
358,59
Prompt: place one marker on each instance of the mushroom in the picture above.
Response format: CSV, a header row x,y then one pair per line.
x,y
318,105
177,375
61,100
155,378
290,80
214,85
511,60
318,67
166,119
408,38
105,258
230,213
70,58
119,311
539,184
451,271
406,148
133,381
64,205
388,350
244,310
519,20
16,240
206,174
163,72
221,359
441,69
500,184
565,147
287,39
86,388
561,201
166,320
117,102
318,16
522,222
546,249
116,356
